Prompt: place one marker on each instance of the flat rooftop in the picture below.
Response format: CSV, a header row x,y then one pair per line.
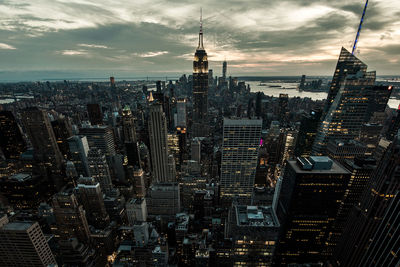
x,y
336,168
17,226
256,216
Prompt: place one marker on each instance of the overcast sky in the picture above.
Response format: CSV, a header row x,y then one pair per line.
x,y
152,37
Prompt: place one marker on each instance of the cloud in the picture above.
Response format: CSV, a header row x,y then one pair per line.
x,y
93,46
150,54
6,46
73,52
290,37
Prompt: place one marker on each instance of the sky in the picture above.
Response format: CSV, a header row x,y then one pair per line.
x,y
134,38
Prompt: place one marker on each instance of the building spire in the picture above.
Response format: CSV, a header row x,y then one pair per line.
x,y
200,46
359,28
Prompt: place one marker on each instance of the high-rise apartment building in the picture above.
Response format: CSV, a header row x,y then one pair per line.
x,y
159,143
23,244
241,140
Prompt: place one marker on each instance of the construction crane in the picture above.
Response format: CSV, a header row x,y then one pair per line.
x,y
359,28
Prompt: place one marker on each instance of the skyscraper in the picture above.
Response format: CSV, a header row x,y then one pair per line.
x,y
241,140
70,217
95,114
307,132
181,112
224,65
90,196
371,234
200,80
128,125
158,143
98,169
309,199
23,244
100,137
283,109
351,102
11,142
38,127
78,151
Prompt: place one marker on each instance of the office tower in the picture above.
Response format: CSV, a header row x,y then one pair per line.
x,y
309,200
39,130
210,78
347,64
302,82
139,184
90,196
128,125
341,151
370,135
224,65
347,112
254,231
361,169
98,169
307,132
95,114
112,82
196,150
133,154
12,144
394,125
181,112
289,145
70,217
23,244
101,137
62,131
369,238
24,190
241,139
78,152
258,109
283,109
158,143
200,80
136,210
163,199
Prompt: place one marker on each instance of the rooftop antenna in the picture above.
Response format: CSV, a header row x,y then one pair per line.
x,y
201,30
359,28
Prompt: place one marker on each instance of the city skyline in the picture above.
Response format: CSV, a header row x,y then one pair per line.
x,y
134,39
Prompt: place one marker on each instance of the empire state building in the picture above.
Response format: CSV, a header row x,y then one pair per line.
x,y
200,80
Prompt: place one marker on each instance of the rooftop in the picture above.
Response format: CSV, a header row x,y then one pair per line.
x,y
256,216
17,226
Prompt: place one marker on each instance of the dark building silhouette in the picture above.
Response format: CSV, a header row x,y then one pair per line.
x,y
369,238
95,114
12,143
307,132
283,109
309,200
46,151
62,130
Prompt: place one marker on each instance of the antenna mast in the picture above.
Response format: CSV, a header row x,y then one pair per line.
x,y
359,28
